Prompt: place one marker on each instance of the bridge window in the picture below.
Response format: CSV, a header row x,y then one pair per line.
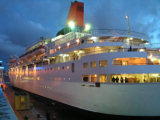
x,y
103,63
93,64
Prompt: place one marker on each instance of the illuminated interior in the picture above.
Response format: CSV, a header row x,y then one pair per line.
x,y
129,61
137,78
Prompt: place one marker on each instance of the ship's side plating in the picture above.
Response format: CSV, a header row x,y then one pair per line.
x,y
67,86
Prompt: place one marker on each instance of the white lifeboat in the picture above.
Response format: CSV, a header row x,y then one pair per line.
x,y
13,58
28,55
39,50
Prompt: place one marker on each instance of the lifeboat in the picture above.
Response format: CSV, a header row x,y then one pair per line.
x,y
13,59
28,55
39,50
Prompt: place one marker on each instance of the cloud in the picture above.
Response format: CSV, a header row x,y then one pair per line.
x,y
24,21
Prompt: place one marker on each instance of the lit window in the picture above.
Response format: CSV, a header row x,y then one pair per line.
x,y
64,78
85,65
93,64
102,78
69,79
93,78
67,67
103,63
58,68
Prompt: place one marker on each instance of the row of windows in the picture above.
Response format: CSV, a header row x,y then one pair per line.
x,y
44,87
93,78
58,68
102,63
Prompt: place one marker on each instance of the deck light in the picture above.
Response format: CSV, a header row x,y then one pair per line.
x,y
75,51
97,47
131,38
93,38
154,74
95,75
77,40
68,44
87,27
59,47
71,24
141,50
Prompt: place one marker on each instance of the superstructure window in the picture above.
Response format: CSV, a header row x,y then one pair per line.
x,y
93,78
63,67
103,63
85,65
85,78
67,67
93,64
58,68
54,68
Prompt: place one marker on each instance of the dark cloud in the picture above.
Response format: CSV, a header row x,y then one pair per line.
x,y
24,21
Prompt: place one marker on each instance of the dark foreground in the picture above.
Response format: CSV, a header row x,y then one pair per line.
x,y
63,112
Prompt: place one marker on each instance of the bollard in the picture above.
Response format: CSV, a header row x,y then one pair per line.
x,y
54,118
38,115
26,117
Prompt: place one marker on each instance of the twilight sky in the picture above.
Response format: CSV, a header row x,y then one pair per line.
x,y
24,21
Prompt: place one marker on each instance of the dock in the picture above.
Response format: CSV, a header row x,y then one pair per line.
x,y
31,113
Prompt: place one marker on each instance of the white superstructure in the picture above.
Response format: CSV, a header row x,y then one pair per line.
x,y
77,69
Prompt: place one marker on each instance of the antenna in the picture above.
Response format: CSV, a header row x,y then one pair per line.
x,y
128,23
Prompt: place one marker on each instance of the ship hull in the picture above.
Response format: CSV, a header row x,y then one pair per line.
x,y
120,99
66,86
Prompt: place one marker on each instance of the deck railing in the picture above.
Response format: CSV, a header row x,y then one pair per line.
x,y
137,64
113,32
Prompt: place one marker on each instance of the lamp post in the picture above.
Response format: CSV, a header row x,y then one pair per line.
x,y
128,24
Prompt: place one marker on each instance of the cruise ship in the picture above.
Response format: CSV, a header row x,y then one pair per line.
x,y
106,71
